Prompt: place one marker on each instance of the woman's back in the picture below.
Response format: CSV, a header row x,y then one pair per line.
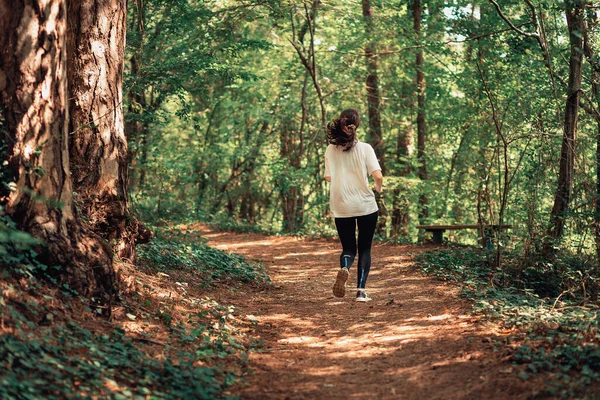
x,y
349,170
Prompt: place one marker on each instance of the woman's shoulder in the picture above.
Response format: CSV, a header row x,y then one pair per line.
x,y
363,145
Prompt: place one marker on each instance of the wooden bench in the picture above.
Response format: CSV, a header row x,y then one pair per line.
x,y
487,232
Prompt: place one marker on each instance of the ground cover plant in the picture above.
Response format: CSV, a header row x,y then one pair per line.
x,y
164,338
175,250
553,320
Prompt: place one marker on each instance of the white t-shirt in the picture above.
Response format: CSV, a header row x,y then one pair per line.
x,y
349,192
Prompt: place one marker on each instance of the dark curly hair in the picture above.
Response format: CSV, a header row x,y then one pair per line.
x,y
342,130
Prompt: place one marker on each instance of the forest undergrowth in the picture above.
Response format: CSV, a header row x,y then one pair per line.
x,y
552,312
164,339
167,339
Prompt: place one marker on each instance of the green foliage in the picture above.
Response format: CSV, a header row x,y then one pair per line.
x,y
223,223
67,361
177,251
465,264
555,333
17,249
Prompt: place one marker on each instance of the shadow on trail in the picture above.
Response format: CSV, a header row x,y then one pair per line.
x,y
415,340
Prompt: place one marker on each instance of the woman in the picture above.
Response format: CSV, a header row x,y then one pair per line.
x,y
348,164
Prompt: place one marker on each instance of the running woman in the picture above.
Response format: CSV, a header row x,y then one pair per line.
x,y
348,164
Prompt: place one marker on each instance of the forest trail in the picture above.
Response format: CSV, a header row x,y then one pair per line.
x,y
415,340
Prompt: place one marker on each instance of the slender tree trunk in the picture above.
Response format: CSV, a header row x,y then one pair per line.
x,y
404,150
576,25
98,147
143,159
136,130
374,135
597,208
292,196
421,123
596,89
308,57
34,106
373,101
592,57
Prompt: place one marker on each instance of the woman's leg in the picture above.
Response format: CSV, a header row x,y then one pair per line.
x,y
346,228
366,230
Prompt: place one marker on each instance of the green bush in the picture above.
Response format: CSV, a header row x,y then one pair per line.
x,y
543,301
212,265
17,249
66,361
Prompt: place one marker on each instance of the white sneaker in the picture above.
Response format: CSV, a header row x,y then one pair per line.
x,y
362,296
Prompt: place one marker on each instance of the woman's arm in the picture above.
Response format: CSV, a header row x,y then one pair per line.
x,y
378,177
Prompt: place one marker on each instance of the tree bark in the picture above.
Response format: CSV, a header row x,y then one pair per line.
x,y
33,87
591,55
373,101
292,196
97,145
576,25
421,123
374,135
404,150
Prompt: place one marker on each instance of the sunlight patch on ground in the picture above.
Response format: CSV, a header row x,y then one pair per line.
x,y
439,317
322,371
245,244
299,340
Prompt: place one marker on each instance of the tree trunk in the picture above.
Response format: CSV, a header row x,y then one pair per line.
x,y
576,25
421,124
597,208
97,145
292,197
404,150
136,129
374,135
592,57
596,90
33,83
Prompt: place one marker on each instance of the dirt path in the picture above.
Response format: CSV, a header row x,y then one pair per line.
x,y
415,340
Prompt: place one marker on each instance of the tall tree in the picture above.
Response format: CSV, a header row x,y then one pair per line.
x,y
374,137
574,11
33,83
591,54
421,123
97,144
404,148
374,134
292,141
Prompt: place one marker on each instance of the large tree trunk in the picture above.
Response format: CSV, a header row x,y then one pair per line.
x,y
33,86
575,21
421,124
98,147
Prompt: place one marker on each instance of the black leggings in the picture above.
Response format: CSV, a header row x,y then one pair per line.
x,y
346,228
